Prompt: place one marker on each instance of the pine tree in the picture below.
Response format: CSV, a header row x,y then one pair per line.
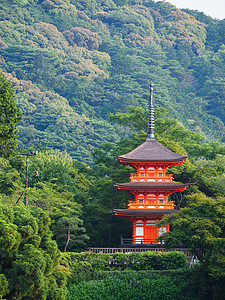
x,y
9,117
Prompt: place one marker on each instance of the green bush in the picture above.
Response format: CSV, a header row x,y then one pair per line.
x,y
86,266
145,260
135,285
173,260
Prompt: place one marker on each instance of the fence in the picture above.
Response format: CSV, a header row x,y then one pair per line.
x,y
186,251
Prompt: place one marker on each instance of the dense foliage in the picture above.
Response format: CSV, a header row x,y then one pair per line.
x,y
171,285
87,265
68,191
10,115
135,286
72,62
201,226
29,260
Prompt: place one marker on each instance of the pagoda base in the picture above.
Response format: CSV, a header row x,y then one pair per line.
x,y
145,229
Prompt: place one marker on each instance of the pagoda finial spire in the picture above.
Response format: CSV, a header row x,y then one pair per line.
x,y
151,135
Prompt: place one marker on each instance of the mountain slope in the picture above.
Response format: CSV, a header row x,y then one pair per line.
x,y
73,62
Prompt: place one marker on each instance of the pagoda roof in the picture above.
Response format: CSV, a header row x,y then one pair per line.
x,y
144,212
151,186
151,151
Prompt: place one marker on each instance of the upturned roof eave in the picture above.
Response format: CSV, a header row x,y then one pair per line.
x,y
124,159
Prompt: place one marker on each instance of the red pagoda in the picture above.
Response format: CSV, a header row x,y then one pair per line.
x,y
151,186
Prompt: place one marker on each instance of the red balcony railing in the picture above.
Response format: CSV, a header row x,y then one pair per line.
x,y
151,178
147,203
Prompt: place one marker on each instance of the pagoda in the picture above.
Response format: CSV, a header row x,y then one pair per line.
x,y
150,185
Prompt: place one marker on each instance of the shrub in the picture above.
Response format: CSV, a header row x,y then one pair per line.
x,y
135,285
85,266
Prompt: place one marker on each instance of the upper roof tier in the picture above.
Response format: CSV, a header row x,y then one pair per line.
x,y
151,151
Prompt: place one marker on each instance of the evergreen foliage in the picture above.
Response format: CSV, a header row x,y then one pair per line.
x,y
68,191
29,257
73,62
9,117
201,226
87,262
136,285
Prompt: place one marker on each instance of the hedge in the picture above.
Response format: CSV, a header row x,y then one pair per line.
x,y
84,266
136,285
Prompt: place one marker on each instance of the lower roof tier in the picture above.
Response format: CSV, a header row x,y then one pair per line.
x,y
143,212
158,186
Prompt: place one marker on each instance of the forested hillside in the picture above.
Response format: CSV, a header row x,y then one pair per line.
x,y
73,62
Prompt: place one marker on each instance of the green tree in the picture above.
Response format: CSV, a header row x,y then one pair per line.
x,y
201,227
10,179
9,117
70,232
58,190
29,258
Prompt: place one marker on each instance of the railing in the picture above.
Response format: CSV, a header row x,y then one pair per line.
x,y
138,242
135,204
151,178
186,251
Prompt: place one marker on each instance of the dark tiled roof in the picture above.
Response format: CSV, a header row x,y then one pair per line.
x,y
144,212
151,185
151,151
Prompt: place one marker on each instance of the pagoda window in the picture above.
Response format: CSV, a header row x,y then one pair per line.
x,y
161,196
150,222
151,171
151,198
141,198
139,231
160,172
142,170
150,195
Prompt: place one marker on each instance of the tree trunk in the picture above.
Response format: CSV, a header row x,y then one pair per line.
x,y
68,238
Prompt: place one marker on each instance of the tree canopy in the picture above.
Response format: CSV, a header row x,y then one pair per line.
x,y
201,227
29,257
71,64
74,62
10,115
